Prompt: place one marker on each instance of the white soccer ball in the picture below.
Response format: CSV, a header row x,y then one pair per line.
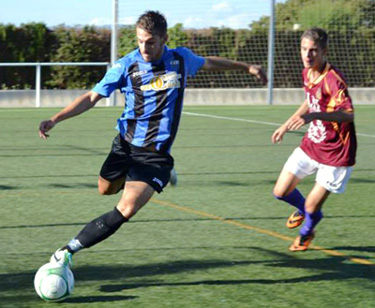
x,y
53,282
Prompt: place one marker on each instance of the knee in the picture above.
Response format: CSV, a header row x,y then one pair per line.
x,y
127,210
104,191
278,193
106,188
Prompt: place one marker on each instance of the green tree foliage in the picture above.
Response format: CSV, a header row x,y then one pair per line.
x,y
127,40
350,25
83,45
351,28
177,36
240,45
335,15
32,42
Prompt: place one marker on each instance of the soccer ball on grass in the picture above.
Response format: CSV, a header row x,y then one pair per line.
x,y
54,282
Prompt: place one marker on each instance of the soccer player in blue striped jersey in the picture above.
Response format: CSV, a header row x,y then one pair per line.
x,y
153,79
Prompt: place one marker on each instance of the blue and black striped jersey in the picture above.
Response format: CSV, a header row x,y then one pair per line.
x,y
153,95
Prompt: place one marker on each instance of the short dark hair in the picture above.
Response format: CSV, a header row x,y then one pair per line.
x,y
317,35
153,22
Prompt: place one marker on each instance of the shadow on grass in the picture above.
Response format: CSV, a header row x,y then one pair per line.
x,y
264,218
75,186
98,299
19,281
334,268
360,180
355,248
7,187
52,185
156,274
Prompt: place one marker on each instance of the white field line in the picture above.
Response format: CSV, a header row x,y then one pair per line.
x,y
249,121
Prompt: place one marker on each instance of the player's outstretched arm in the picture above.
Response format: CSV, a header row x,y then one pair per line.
x,y
214,64
79,105
339,116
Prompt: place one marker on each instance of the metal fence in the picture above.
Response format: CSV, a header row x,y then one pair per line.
x,y
38,74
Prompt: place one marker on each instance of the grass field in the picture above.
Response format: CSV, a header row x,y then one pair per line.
x,y
218,239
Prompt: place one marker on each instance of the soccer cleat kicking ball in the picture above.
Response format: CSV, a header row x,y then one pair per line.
x,y
62,257
53,282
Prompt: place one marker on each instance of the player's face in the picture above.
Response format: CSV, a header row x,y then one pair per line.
x,y
313,56
150,45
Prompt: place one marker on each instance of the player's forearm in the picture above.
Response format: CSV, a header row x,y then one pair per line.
x,y
78,106
303,109
337,116
221,64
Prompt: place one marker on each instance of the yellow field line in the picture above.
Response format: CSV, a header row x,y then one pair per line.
x,y
259,230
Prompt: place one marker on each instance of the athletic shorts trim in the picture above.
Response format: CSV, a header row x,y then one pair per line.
x,y
332,178
136,164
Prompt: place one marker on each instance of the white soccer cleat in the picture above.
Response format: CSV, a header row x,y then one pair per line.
x,y
173,178
62,257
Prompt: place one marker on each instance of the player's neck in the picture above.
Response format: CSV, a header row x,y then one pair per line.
x,y
161,55
315,73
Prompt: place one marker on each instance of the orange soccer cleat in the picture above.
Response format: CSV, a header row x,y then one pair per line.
x,y
295,220
301,243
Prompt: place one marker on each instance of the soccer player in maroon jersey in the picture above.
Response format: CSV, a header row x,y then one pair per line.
x,y
328,147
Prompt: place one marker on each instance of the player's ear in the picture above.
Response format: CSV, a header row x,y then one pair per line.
x,y
165,39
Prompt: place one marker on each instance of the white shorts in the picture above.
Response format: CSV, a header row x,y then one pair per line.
x,y
334,179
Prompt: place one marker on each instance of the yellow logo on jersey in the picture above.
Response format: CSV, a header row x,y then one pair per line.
x,y
163,82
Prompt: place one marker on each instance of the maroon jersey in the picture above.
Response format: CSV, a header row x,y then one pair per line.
x,y
329,143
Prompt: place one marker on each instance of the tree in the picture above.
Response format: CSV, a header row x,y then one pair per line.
x,y
32,42
88,44
340,15
177,36
127,40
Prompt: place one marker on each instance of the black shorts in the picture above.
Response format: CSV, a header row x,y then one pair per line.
x,y
137,164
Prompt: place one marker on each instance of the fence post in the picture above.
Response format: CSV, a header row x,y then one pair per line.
x,y
271,53
37,84
114,44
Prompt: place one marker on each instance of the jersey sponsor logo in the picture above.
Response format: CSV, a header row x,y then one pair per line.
x,y
317,131
163,82
175,62
159,182
140,73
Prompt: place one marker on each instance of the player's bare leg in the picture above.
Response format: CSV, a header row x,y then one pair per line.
x,y
135,196
285,184
106,187
316,198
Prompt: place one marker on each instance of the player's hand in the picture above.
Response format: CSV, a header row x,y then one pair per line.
x,y
258,72
44,127
277,136
296,122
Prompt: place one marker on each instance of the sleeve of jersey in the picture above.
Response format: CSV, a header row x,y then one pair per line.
x,y
340,99
193,62
111,80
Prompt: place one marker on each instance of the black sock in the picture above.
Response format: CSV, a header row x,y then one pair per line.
x,y
100,228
